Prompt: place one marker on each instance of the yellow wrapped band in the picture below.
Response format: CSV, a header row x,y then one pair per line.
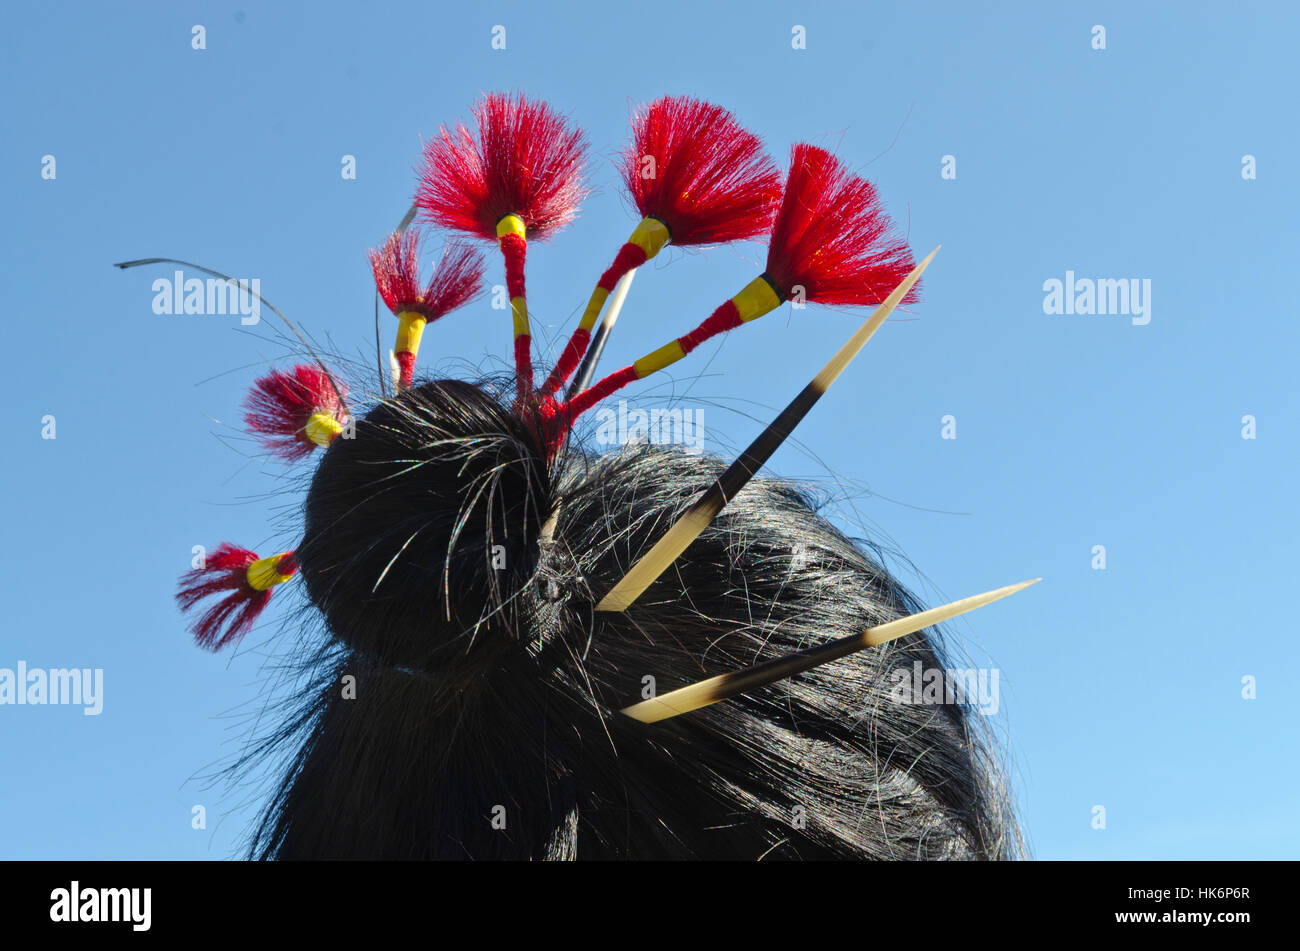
x,y
519,307
594,307
262,574
410,328
508,225
666,355
650,236
322,429
757,298
511,224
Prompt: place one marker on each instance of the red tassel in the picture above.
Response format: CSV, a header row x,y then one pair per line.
x,y
281,405
832,243
456,278
525,160
832,237
229,619
710,182
692,167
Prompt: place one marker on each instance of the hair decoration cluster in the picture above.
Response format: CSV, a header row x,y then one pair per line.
x,y
642,561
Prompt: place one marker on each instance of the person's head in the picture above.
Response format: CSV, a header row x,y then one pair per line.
x,y
482,715
500,607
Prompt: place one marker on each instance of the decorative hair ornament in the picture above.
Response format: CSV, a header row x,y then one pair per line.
x,y
455,282
697,178
249,581
295,412
686,529
707,692
519,177
831,243
457,551
709,181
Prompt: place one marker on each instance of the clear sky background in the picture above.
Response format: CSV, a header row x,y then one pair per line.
x,y
1120,688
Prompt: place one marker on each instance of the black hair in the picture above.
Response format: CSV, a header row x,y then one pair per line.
x,y
466,697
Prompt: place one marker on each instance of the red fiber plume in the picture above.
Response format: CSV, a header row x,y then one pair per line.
x,y
456,278
280,404
832,237
710,180
524,160
227,620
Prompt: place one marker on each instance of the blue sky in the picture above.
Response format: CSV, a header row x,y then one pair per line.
x,y
1120,687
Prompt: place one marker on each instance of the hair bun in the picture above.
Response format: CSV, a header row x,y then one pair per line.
x,y
421,528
